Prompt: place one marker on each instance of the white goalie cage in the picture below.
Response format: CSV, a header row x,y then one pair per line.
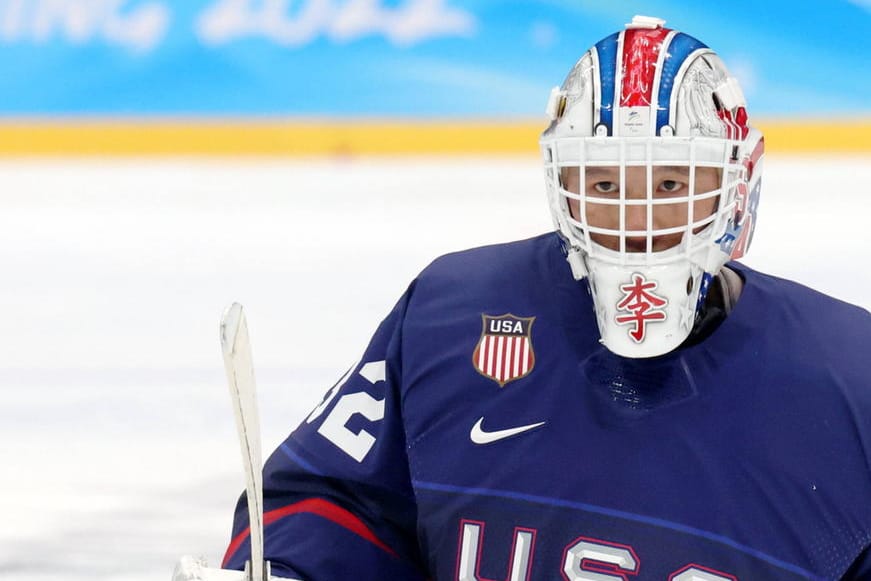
x,y
699,235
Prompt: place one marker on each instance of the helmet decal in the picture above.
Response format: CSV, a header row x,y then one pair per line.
x,y
634,62
606,53
739,230
735,122
642,50
642,304
679,49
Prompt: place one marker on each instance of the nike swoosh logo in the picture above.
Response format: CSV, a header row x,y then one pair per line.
x,y
479,436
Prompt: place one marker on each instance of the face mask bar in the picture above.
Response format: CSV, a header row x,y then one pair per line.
x,y
598,223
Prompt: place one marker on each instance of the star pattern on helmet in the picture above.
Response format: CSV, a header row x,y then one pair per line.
x,y
600,315
687,316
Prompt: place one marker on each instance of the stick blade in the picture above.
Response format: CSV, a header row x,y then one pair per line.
x,y
231,321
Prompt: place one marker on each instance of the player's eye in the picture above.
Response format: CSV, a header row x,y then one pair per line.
x,y
670,186
606,187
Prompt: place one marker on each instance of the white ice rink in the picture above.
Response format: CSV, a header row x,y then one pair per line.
x,y
118,448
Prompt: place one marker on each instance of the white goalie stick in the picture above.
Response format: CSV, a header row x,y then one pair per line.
x,y
236,349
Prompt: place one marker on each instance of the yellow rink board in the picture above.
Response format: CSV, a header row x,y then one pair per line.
x,y
354,137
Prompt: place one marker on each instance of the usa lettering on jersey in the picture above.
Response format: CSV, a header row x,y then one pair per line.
x,y
584,559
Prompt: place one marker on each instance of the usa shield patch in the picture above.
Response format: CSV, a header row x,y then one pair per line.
x,y
504,351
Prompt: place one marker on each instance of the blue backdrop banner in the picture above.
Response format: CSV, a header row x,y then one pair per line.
x,y
383,58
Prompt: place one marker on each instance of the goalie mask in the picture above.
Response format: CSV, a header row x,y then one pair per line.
x,y
653,178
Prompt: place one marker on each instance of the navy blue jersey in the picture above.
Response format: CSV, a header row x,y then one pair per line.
x,y
486,434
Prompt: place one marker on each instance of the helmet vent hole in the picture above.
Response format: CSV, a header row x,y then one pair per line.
x,y
561,108
734,153
689,285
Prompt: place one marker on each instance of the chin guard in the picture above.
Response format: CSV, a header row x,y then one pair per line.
x,y
644,311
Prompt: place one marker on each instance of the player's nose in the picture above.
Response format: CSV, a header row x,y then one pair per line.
x,y
636,217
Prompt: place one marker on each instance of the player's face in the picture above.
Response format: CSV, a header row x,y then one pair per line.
x,y
603,183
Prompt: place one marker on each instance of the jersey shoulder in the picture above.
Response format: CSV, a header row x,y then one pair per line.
x,y
816,339
517,277
818,312
490,265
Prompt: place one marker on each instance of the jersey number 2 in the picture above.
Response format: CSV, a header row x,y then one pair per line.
x,y
335,426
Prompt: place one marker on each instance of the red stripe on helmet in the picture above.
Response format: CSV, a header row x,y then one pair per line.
x,y
755,156
735,122
641,48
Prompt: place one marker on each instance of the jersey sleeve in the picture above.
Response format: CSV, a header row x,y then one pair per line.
x,y
337,491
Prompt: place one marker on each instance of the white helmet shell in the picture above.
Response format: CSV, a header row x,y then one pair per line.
x,y
649,97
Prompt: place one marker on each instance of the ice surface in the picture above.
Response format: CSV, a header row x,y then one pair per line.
x,y
119,452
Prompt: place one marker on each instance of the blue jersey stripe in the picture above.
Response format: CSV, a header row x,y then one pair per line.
x,y
295,457
681,46
606,50
561,503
